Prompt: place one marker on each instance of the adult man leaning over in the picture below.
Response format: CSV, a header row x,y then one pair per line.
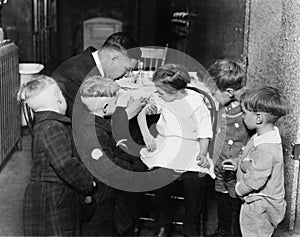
x,y
115,59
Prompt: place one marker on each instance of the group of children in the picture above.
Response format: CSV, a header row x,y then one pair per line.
x,y
249,182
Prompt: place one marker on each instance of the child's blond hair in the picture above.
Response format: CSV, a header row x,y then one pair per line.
x,y
34,87
97,86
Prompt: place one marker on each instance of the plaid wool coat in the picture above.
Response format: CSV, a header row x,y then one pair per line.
x,y
50,205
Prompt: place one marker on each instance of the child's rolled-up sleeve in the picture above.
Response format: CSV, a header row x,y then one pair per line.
x,y
256,174
58,149
204,126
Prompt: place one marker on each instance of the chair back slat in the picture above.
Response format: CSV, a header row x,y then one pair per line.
x,y
153,57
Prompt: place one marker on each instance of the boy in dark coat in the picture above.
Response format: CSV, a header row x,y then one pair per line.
x,y
57,177
108,163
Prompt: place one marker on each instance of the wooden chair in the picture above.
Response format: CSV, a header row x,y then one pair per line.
x,y
152,58
177,196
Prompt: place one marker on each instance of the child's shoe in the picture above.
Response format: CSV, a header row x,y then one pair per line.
x,y
220,232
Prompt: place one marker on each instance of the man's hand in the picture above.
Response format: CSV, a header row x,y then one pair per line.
x,y
134,106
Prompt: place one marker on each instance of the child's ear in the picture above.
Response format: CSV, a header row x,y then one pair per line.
x,y
105,108
230,93
113,59
259,118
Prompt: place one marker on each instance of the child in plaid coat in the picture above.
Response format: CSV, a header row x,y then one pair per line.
x,y
50,205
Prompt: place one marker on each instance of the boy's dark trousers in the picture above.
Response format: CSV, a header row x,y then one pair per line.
x,y
228,216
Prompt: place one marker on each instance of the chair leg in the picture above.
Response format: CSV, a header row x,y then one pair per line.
x,y
202,223
136,229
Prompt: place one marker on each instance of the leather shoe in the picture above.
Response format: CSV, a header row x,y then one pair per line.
x,y
163,231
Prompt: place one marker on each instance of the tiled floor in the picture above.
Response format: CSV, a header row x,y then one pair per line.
x,y
15,175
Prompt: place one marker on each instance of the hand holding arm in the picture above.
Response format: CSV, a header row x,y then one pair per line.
x,y
151,109
134,106
148,138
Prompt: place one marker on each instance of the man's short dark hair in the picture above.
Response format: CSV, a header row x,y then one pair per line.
x,y
123,42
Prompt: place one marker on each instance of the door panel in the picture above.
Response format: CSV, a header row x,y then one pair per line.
x,y
45,33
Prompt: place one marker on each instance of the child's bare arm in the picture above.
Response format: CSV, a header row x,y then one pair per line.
x,y
202,156
148,138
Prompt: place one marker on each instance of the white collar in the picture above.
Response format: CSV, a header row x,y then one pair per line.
x,y
269,137
98,63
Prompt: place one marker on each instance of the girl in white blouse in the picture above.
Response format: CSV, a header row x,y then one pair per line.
x,y
184,131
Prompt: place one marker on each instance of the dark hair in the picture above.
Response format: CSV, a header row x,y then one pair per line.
x,y
227,73
171,76
265,99
123,42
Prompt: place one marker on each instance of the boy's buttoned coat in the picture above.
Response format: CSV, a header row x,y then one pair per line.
x,y
231,137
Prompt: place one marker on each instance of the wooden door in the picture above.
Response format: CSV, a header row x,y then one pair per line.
x,y
45,33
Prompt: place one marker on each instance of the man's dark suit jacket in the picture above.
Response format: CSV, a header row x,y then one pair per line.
x,y
71,73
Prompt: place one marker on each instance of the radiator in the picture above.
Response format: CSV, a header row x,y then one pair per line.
x,y
10,122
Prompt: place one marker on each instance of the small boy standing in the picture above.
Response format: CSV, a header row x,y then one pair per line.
x,y
226,82
260,172
51,201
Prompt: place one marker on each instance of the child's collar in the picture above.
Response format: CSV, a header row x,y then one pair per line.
x,y
231,105
50,115
268,137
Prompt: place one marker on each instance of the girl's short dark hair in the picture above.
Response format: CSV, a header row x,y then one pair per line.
x,y
171,77
227,73
265,99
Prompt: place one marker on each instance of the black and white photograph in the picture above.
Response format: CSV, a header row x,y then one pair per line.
x,y
137,118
